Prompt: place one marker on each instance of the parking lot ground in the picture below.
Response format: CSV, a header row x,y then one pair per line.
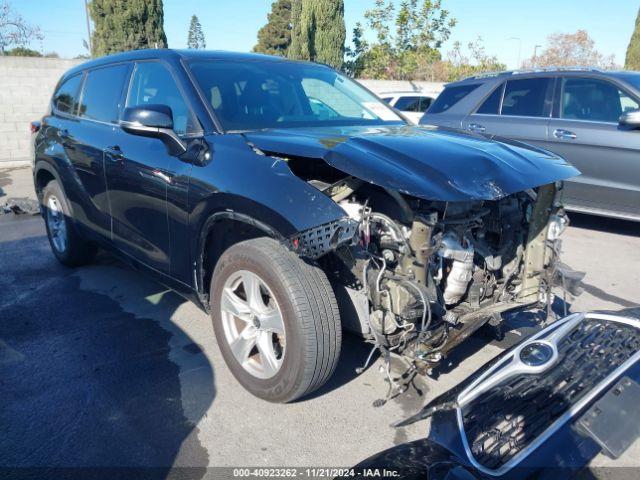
x,y
100,366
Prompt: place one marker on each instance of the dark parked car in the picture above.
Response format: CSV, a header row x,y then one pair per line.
x,y
589,117
289,201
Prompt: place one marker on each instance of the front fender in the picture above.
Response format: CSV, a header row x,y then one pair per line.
x,y
239,183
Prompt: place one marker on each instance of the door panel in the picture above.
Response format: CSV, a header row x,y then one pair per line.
x,y
137,178
588,136
529,130
92,206
609,160
518,109
141,173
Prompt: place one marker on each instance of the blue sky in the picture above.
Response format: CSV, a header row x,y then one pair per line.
x,y
232,25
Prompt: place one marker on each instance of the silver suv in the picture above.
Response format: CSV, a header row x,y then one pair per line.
x,y
588,116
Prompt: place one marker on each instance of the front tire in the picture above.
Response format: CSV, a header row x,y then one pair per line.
x,y
66,243
276,320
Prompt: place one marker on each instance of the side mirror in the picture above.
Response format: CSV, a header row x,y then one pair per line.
x,y
630,120
153,121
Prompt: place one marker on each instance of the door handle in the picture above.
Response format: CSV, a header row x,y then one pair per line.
x,y
561,134
114,153
476,127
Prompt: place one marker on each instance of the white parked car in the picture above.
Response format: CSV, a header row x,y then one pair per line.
x,y
411,104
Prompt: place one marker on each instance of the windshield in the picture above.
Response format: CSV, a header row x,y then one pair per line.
x,y
256,95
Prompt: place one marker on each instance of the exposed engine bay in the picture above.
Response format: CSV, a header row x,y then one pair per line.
x,y
423,275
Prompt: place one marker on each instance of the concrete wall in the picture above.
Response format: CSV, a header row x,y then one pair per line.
x,y
26,85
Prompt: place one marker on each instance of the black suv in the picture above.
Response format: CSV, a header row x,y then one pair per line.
x,y
289,202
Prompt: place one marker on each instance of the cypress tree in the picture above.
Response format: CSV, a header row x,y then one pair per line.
x,y
298,49
196,39
274,38
318,31
632,61
121,25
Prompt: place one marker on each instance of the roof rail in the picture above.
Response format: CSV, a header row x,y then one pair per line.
x,y
576,68
533,70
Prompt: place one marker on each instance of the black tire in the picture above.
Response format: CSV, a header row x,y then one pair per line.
x,y
77,251
310,313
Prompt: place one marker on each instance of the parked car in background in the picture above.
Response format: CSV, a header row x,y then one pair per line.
x,y
588,116
411,104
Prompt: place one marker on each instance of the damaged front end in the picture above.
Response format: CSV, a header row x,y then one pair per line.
x,y
429,249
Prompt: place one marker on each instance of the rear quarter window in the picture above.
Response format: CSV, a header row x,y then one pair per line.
x,y
491,106
65,98
450,96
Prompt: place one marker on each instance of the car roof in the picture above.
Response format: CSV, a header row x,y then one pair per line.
x,y
171,54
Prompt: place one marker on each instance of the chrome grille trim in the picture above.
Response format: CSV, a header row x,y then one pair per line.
x,y
511,365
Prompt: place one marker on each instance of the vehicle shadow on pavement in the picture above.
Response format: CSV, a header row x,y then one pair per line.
x,y
90,389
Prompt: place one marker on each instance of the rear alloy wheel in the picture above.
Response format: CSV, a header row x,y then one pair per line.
x,y
57,224
66,243
276,320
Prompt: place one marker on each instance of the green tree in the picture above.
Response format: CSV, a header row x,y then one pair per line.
x,y
23,52
353,64
459,65
274,37
299,46
196,39
632,60
121,25
405,39
318,31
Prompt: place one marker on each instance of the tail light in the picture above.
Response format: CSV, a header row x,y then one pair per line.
x,y
34,126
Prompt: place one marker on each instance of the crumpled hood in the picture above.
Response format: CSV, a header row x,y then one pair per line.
x,y
428,162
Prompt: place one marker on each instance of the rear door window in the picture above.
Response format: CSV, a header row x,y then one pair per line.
x,y
450,96
102,93
594,100
65,99
526,97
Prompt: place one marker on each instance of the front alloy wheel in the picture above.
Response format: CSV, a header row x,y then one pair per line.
x,y
252,323
276,320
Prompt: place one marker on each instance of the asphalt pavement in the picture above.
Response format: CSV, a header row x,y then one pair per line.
x,y
102,367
